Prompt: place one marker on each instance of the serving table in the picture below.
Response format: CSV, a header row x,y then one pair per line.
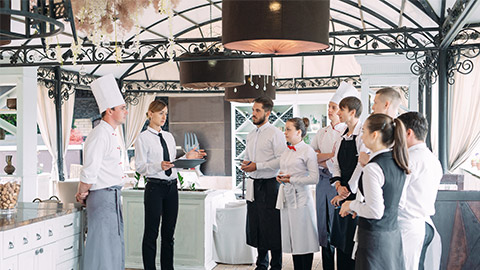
x,y
193,234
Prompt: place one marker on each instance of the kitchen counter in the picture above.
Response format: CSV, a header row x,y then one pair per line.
x,y
28,213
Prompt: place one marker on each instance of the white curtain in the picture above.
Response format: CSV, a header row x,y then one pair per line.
x,y
465,117
136,118
48,128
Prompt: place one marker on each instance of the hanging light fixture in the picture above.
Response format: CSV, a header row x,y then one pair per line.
x,y
206,73
256,86
4,23
278,26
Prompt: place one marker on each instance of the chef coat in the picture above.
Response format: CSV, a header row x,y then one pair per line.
x,y
418,204
102,166
265,145
327,140
149,154
297,211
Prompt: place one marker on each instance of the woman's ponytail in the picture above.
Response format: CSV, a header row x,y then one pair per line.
x,y
400,150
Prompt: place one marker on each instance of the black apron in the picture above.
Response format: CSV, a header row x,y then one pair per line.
x,y
263,218
343,229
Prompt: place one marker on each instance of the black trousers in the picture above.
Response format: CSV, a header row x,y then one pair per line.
x,y
262,259
344,261
429,233
328,252
161,201
303,262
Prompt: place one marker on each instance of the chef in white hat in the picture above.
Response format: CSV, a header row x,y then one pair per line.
x,y
324,144
101,180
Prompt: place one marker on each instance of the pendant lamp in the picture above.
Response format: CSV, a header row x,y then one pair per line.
x,y
277,26
4,23
255,86
210,73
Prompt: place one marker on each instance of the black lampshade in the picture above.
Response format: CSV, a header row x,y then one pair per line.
x,y
211,73
247,93
280,27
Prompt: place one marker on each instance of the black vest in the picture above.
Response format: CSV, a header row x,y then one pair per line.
x,y
392,191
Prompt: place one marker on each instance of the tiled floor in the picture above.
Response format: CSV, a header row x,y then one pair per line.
x,y
287,264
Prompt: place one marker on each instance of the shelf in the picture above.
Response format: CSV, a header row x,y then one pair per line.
x,y
8,111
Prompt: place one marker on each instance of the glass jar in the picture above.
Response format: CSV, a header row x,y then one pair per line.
x,y
9,190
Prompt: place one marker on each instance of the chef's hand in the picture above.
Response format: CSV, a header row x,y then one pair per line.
x,y
167,165
81,197
196,154
248,166
363,158
345,210
336,200
341,190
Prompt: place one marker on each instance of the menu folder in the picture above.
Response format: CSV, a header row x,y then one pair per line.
x,y
187,163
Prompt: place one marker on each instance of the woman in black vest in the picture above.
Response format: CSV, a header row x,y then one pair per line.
x,y
380,188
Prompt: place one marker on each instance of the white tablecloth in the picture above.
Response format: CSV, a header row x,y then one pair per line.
x,y
229,235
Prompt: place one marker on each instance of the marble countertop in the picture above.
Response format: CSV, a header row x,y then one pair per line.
x,y
28,213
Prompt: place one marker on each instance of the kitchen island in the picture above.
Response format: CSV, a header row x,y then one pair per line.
x,y
42,236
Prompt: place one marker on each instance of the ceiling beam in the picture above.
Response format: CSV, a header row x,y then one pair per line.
x,y
424,6
456,19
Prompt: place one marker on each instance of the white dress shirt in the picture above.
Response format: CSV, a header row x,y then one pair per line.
x,y
149,154
421,186
353,182
265,145
102,166
327,140
417,205
373,181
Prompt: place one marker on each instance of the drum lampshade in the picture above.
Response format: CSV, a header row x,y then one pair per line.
x,y
279,26
211,73
262,86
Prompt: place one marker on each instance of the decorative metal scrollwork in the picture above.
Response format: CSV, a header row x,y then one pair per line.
x,y
424,65
315,83
344,42
460,61
69,81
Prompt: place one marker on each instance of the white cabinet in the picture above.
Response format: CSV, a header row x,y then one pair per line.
x,y
38,258
55,243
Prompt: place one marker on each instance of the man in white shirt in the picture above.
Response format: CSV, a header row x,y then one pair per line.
x,y
265,145
387,101
101,180
420,192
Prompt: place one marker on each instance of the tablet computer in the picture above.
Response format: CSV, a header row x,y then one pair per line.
x,y
187,163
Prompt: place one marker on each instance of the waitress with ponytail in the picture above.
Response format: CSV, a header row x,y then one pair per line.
x,y
298,170
155,150
378,239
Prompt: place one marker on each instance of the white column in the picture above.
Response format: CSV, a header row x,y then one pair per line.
x,y
26,161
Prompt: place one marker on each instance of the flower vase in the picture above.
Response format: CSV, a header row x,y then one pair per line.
x,y
9,169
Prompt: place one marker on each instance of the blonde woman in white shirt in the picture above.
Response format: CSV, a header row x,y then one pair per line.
x,y
154,153
298,170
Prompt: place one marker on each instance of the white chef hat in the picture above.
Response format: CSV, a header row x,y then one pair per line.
x,y
343,91
106,92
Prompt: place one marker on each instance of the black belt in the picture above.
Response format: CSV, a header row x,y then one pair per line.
x,y
256,179
161,181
